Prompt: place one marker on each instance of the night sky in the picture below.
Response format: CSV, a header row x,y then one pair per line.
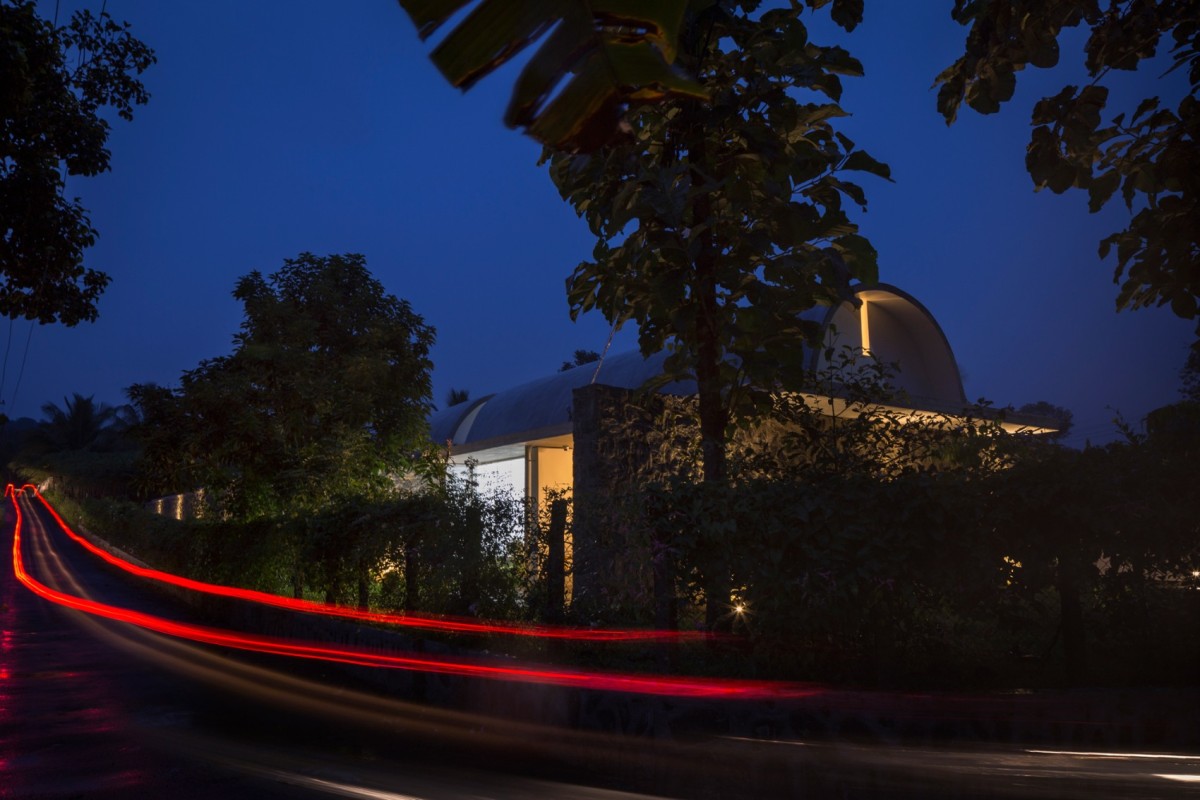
x,y
281,127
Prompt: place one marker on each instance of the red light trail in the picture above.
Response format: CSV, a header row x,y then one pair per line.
x,y
445,624
674,686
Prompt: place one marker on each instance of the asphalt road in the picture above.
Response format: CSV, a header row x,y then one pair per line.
x,y
95,709
80,712
98,709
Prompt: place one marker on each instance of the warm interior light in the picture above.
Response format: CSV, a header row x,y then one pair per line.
x,y
865,327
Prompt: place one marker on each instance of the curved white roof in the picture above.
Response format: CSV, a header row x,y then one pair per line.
x,y
899,330
541,407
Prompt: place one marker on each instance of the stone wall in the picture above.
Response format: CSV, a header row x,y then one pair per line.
x,y
605,549
178,506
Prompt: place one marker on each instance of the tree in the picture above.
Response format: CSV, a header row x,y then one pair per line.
x,y
720,223
581,357
51,114
595,58
456,397
324,397
1151,153
1042,408
80,424
718,212
738,207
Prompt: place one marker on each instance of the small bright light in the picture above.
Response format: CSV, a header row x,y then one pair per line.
x,y
1196,573
739,609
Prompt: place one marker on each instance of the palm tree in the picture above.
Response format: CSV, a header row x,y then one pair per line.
x,y
81,424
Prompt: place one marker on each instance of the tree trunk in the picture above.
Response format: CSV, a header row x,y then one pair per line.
x,y
714,415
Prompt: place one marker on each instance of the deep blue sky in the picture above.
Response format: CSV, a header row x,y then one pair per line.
x,y
281,127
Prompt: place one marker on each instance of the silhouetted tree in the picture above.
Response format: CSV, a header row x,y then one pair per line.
x,y
1151,152
719,224
52,117
324,397
455,397
80,424
1061,415
581,357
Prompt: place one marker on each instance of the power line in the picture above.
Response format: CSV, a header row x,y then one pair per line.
x,y
21,374
600,361
4,369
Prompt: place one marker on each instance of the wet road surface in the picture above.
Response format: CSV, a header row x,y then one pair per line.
x,y
95,709
79,715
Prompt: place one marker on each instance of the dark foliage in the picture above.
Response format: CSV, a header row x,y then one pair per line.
x,y
1150,153
324,397
51,123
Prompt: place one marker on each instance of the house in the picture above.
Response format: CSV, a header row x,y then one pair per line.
x,y
523,438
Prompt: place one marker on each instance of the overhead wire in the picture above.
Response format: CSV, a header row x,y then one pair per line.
x,y
4,368
21,372
600,361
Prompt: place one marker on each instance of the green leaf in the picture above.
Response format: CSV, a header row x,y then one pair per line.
x,y
1088,106
813,114
1149,104
950,94
1043,52
1005,83
860,256
837,60
980,96
490,35
847,13
600,56
428,15
1184,305
851,190
544,71
1042,156
1102,188
861,161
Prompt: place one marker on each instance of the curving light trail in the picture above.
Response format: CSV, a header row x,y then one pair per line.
x,y
621,682
444,624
